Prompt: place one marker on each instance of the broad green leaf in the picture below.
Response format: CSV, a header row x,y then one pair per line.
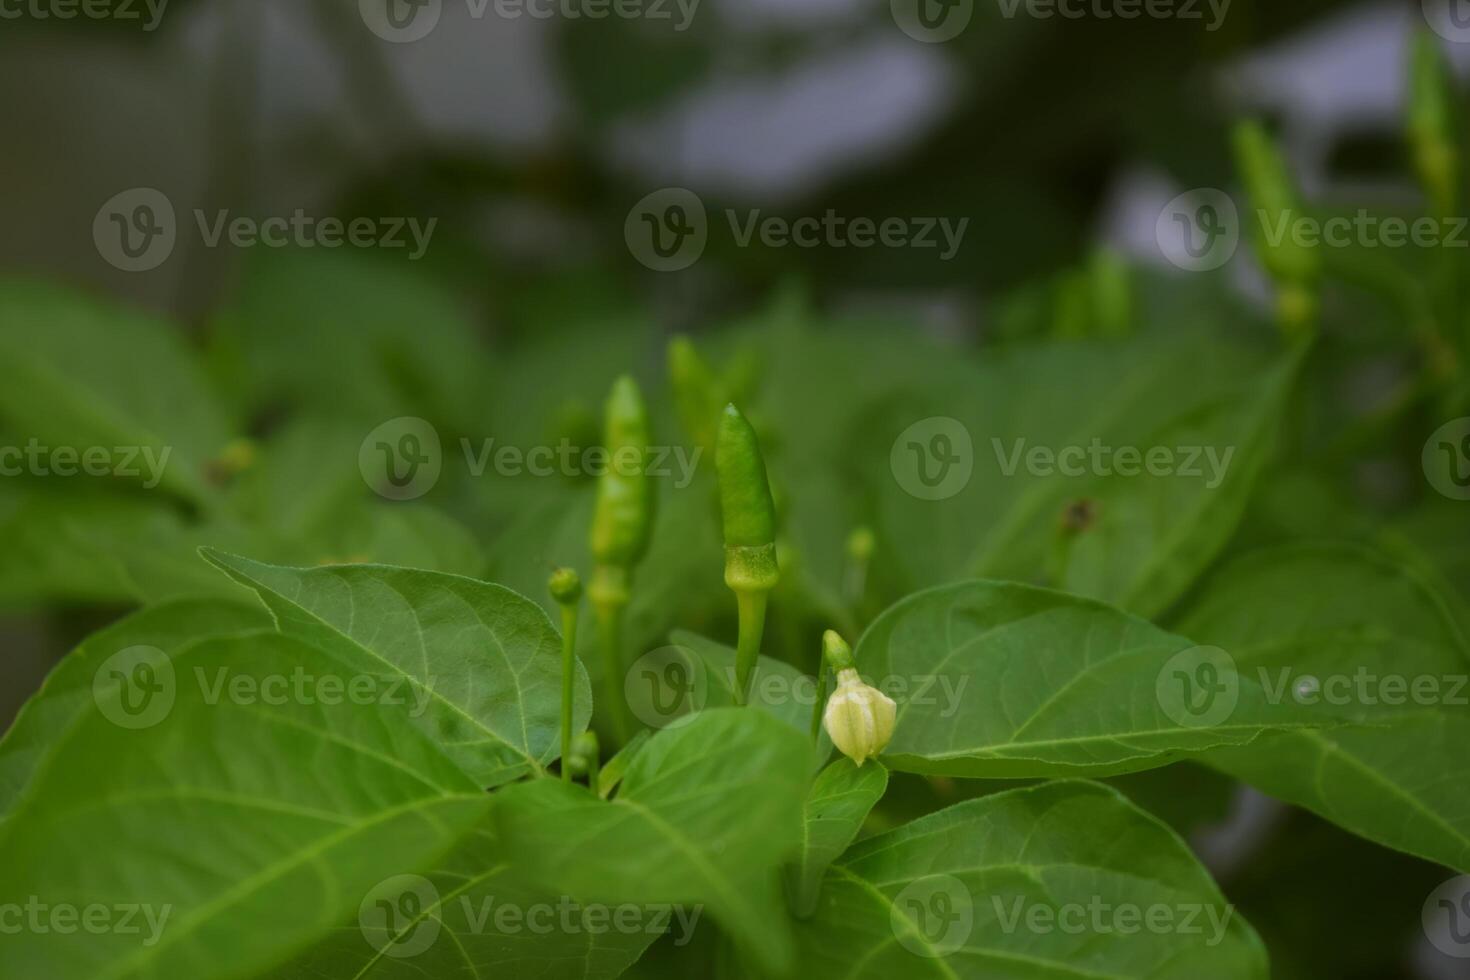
x,y
481,663
82,376
1065,880
472,918
839,801
1337,628
705,815
66,698
221,803
1037,490
995,679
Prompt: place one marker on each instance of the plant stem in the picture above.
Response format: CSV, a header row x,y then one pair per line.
x,y
568,673
751,608
610,637
821,701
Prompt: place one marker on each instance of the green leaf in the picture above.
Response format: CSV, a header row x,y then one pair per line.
x,y
472,917
481,663
65,699
80,375
1077,523
995,679
706,813
1362,630
218,808
840,800
613,771
1006,885
776,687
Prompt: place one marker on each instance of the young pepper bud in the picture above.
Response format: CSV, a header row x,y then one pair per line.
x,y
1293,266
751,569
623,517
1431,127
746,506
696,394
622,522
565,586
859,718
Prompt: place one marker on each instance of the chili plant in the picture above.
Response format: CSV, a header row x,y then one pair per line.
x,y
1036,657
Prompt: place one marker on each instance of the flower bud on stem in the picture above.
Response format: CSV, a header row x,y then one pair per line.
x,y
859,718
566,589
751,570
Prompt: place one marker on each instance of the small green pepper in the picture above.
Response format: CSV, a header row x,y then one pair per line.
x,y
696,393
749,514
1293,266
622,523
1431,125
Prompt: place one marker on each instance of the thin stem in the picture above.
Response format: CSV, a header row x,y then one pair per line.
x,y
610,636
594,768
568,673
820,703
751,607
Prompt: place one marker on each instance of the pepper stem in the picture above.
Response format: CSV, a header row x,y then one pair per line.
x,y
820,703
609,593
751,610
568,673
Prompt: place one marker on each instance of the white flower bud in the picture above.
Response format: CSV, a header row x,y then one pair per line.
x,y
858,717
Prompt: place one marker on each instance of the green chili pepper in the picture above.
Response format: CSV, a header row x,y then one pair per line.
x,y
751,569
1431,124
696,393
566,590
1293,266
623,519
621,525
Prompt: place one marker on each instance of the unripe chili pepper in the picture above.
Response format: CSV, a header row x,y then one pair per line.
x,y
696,393
1293,266
749,515
621,525
859,718
1431,124
566,590
623,519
